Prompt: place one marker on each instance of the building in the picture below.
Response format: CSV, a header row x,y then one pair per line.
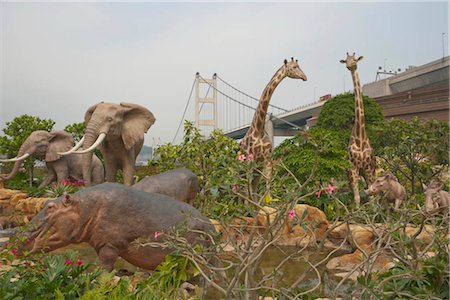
x,y
421,91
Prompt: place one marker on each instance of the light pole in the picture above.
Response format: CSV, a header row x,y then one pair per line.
x,y
443,44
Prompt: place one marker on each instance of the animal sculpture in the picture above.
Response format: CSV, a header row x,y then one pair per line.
x,y
388,185
46,145
112,218
180,184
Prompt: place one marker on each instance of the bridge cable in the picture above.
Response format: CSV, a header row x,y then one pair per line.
x,y
184,113
251,97
248,106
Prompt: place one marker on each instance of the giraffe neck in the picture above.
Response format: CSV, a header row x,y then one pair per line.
x,y
259,118
359,130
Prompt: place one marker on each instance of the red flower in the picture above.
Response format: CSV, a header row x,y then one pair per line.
x,y
14,251
157,234
69,262
27,241
241,157
79,262
251,157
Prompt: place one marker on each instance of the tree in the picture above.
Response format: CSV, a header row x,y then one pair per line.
x,y
338,115
77,130
17,131
415,151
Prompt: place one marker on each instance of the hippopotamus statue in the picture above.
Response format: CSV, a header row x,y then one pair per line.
x,y
110,217
180,184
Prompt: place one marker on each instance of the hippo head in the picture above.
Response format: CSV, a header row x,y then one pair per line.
x,y
55,226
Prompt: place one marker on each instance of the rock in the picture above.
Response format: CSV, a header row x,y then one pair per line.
x,y
31,205
16,197
7,193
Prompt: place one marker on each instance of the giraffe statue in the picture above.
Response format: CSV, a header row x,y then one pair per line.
x,y
256,142
359,149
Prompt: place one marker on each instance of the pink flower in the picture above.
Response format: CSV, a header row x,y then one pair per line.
x,y
241,157
157,234
318,193
79,262
14,251
69,262
234,188
251,157
331,188
291,214
66,181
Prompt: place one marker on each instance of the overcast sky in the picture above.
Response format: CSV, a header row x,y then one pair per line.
x,y
58,59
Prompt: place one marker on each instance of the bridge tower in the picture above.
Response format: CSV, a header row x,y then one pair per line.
x,y
206,102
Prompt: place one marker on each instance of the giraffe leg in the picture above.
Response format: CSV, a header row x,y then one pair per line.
x,y
354,178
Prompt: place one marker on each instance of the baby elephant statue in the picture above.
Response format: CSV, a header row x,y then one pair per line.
x,y
180,184
116,220
436,199
388,185
45,145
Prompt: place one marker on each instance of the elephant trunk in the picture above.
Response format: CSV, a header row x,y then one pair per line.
x,y
90,136
24,148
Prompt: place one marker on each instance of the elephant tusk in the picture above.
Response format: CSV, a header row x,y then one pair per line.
x,y
15,158
99,140
76,147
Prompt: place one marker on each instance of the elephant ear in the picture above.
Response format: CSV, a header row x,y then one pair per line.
x,y
136,122
60,141
89,112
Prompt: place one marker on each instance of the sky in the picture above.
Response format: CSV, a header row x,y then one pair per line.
x,y
57,58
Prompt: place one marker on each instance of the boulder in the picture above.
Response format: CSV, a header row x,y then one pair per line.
x,y
16,197
6,194
31,205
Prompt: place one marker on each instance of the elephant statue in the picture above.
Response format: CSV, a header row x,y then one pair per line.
x,y
47,145
118,130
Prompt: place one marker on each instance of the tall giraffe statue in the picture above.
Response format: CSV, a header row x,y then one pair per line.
x,y
359,149
256,141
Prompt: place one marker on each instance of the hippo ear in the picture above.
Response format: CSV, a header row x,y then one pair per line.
x,y
67,200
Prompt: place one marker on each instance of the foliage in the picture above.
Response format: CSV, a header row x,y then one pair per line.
x,y
77,130
20,182
338,115
49,277
67,276
213,159
431,279
415,151
61,188
318,153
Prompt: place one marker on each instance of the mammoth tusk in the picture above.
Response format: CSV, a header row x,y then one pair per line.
x,y
99,140
76,147
15,158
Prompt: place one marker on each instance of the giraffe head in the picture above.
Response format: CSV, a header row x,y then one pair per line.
x,y
292,70
351,61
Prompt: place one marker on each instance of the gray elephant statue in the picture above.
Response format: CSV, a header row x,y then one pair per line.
x,y
47,145
118,131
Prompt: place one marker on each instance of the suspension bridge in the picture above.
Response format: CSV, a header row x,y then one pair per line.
x,y
218,104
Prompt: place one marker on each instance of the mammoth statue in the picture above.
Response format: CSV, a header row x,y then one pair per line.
x,y
46,145
118,130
